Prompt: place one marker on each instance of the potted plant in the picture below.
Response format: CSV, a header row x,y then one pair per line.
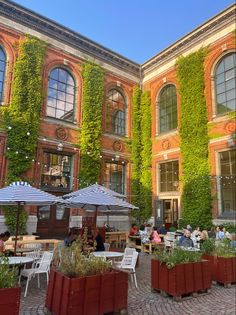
x,y
180,272
222,258
84,284
9,289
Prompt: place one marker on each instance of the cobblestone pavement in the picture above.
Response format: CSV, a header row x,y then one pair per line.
x,y
221,301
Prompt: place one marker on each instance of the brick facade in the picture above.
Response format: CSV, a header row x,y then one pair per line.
x,y
120,74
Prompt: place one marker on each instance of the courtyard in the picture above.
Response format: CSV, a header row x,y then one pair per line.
x,y
144,302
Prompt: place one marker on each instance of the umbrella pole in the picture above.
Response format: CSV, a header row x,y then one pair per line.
x,y
17,225
96,215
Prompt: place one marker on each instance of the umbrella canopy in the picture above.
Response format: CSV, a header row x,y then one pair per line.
x,y
91,189
98,200
21,193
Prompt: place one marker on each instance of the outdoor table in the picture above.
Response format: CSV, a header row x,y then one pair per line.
x,y
109,255
45,242
24,250
18,260
191,249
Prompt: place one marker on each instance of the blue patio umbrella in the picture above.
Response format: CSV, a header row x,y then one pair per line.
x,y
97,200
22,193
92,188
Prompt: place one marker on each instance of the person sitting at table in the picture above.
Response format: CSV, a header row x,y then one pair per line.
x,y
99,245
186,240
144,236
203,236
72,236
134,230
155,237
162,229
3,238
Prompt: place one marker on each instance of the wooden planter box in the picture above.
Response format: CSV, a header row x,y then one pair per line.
x,y
10,301
91,295
181,280
223,270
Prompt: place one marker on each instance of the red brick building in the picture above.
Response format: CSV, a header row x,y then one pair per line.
x,y
57,158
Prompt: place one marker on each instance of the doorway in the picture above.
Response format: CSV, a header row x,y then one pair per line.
x,y
53,221
170,209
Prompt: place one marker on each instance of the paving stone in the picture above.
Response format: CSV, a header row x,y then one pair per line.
x,y
221,301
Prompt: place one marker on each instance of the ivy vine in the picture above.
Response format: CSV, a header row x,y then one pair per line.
x,y
196,197
21,118
90,137
141,150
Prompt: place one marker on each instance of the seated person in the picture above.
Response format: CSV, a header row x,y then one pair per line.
x,y
155,237
233,240
144,235
99,242
219,233
3,238
162,230
186,240
134,230
72,236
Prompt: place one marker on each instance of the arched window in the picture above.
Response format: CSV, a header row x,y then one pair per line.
x,y
167,105
61,95
225,77
116,113
3,60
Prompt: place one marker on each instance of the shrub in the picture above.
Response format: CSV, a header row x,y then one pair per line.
x,y
8,275
176,256
73,263
208,246
223,249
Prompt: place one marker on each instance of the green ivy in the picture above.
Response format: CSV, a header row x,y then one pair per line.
x,y
196,198
141,149
90,137
10,213
21,118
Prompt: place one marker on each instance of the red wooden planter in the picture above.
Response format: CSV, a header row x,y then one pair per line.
x,y
91,295
223,270
182,279
10,301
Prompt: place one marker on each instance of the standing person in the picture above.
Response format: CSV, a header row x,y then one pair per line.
x,y
99,242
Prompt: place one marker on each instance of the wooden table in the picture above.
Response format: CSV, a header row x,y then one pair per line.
x,y
44,242
117,236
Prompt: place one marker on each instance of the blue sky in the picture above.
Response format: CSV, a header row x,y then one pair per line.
x,y
136,29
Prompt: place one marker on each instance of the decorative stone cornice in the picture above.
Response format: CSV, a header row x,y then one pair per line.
x,y
32,20
200,33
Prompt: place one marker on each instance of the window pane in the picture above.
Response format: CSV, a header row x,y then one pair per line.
x,y
115,113
56,170
2,72
225,84
61,88
169,176
228,181
114,177
167,109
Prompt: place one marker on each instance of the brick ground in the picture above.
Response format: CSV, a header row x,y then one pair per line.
x,y
142,301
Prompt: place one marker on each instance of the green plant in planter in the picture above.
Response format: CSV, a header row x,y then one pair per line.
x,y
208,246
176,256
8,276
223,249
74,264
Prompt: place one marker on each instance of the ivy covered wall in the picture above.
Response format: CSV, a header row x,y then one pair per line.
x,y
196,197
141,152
90,136
22,117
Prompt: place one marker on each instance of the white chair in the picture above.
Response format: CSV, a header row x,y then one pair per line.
x,y
35,255
128,264
107,246
129,251
42,267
